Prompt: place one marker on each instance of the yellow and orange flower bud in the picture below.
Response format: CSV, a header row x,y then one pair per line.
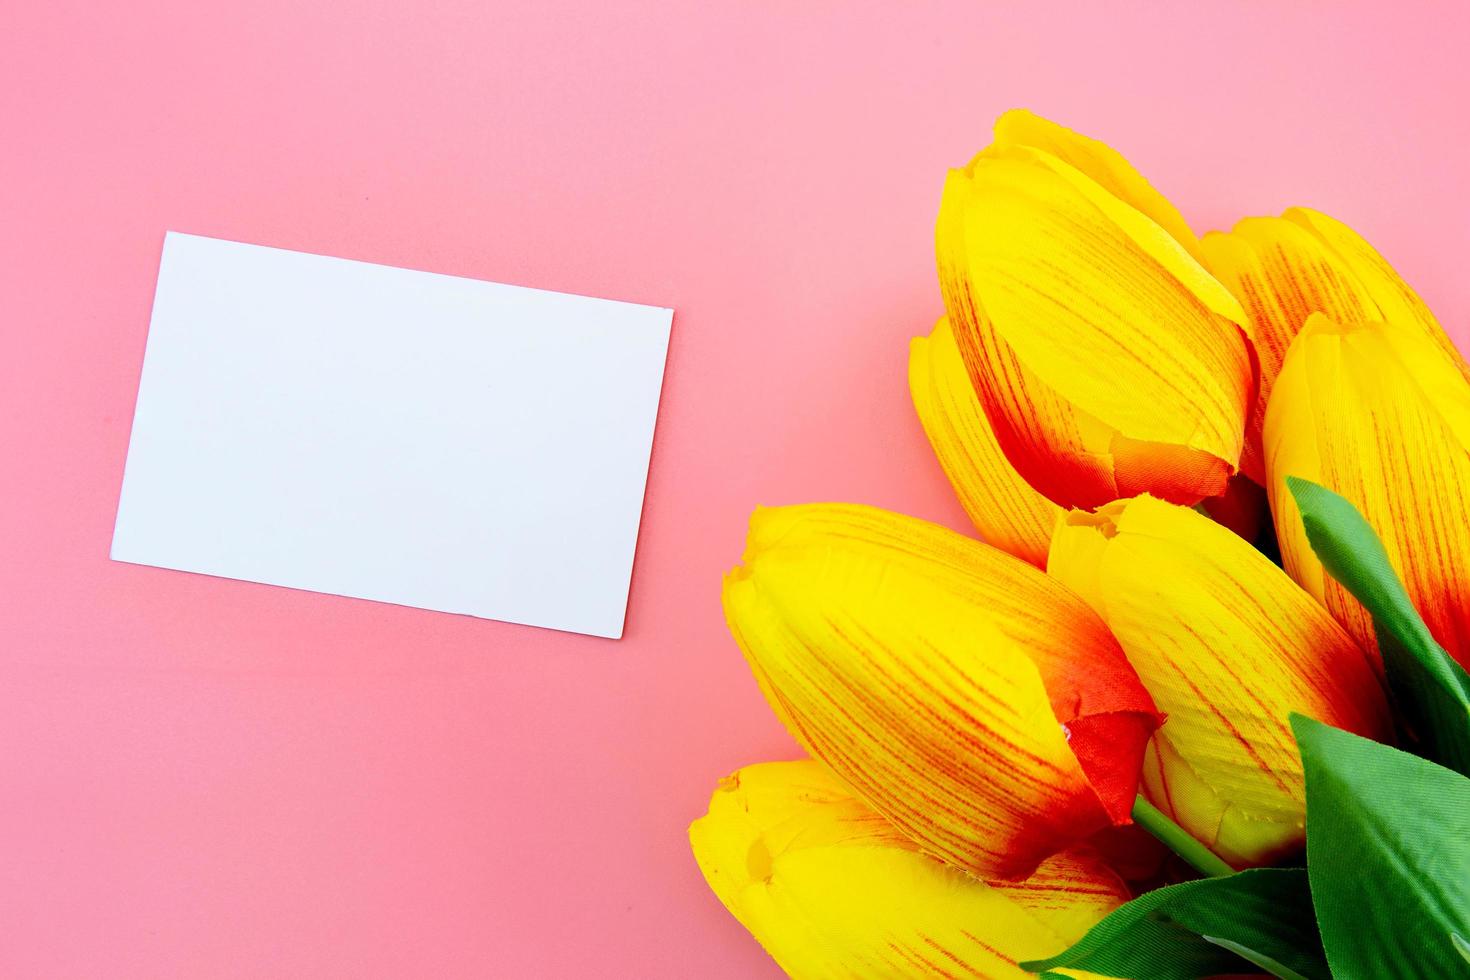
x,y
1107,359
1229,646
1004,508
1378,414
1285,269
831,889
977,704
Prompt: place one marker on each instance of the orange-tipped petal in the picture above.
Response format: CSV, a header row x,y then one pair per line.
x,y
1107,359
942,679
1377,413
1005,509
1229,646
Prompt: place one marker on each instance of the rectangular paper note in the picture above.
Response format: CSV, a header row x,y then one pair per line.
x,y
395,435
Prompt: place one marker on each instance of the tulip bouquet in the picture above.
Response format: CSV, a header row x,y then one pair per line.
x,y
1196,705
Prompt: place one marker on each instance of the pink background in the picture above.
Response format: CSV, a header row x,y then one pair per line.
x,y
212,778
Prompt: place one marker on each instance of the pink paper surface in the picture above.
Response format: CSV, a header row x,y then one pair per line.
x,y
213,778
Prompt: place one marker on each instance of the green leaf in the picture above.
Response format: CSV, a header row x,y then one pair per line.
x,y
1431,692
1388,855
1261,960
1203,928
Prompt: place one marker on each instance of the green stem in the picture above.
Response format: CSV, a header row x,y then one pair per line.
x,y
1176,839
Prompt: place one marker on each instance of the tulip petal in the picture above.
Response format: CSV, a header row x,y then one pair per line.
x,y
1395,442
1100,162
1229,647
1285,269
1282,274
830,889
1396,301
1036,230
1047,276
1058,449
936,675
1005,509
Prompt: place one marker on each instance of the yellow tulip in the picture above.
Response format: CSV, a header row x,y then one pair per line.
x,y
1228,646
1285,269
1109,362
1380,415
831,889
1004,508
973,701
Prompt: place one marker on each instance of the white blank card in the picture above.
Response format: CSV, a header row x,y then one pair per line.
x,y
394,435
